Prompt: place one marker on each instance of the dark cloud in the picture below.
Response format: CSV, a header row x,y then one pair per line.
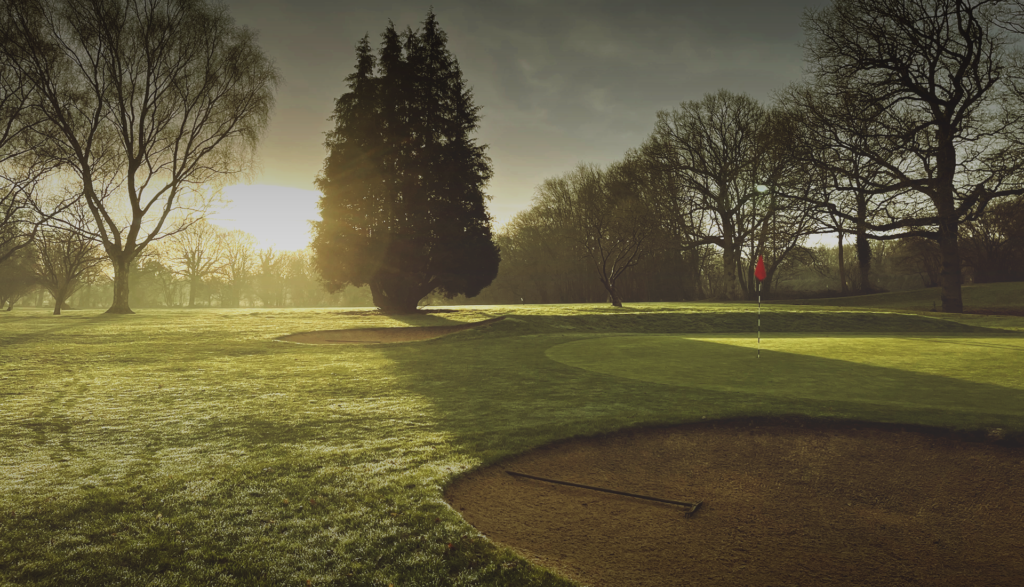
x,y
560,81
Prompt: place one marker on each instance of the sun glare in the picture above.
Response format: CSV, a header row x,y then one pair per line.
x,y
277,216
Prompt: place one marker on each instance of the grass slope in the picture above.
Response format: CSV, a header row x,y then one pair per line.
x,y
188,448
989,296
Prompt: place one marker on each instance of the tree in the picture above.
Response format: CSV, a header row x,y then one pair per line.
x,y
66,258
836,132
239,256
17,277
608,216
939,70
711,155
994,243
196,254
269,281
403,209
303,283
542,263
21,171
154,282
147,104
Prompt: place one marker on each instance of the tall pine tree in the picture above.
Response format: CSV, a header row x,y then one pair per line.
x,y
403,206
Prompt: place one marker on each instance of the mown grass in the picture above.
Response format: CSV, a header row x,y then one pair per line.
x,y
189,448
989,296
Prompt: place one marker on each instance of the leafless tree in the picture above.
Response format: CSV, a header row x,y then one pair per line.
x,y
149,104
270,277
195,254
850,188
66,258
994,244
608,217
17,276
21,169
239,264
712,155
941,72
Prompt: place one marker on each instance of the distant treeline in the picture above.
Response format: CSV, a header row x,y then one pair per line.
x,y
201,266
540,264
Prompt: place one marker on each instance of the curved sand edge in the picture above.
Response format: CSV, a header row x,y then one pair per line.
x,y
799,502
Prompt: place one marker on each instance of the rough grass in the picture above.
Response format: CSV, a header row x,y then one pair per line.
x,y
188,448
990,296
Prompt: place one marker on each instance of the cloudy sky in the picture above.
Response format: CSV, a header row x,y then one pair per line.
x,y
560,82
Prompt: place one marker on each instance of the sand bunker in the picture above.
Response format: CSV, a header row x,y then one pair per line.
x,y
381,335
785,502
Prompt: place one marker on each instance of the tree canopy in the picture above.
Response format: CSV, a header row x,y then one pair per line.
x,y
403,208
940,81
147,105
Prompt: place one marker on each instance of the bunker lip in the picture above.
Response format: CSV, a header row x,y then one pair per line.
x,y
786,500
381,335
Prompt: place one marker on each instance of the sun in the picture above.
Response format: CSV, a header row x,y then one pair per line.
x,y
278,216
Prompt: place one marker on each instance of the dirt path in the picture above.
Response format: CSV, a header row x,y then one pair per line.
x,y
380,335
794,502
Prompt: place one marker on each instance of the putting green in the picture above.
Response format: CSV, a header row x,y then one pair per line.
x,y
982,374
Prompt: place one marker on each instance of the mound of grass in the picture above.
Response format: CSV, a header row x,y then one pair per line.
x,y
977,298
188,448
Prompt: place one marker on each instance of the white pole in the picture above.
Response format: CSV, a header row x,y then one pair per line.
x,y
758,318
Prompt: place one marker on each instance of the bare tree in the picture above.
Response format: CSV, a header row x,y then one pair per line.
x,y
542,262
160,283
712,155
66,258
939,70
147,103
270,279
994,244
608,217
21,170
17,276
195,253
238,250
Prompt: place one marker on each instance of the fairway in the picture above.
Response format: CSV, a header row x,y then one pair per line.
x,y
963,373
189,447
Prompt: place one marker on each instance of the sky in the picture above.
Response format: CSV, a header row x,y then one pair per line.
x,y
560,82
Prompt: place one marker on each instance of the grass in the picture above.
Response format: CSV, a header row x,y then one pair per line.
x,y
188,448
990,296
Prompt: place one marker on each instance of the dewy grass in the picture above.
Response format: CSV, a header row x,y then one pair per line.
x,y
189,448
980,296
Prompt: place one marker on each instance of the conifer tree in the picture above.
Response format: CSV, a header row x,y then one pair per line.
x,y
403,207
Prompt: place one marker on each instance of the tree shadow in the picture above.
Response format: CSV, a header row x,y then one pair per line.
x,y
500,396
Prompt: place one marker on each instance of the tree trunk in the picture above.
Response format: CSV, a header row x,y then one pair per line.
x,y
192,292
730,269
950,277
842,267
863,245
610,287
864,261
120,305
393,300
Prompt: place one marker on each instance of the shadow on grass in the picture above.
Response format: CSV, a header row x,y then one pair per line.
x,y
743,320
728,368
496,396
192,435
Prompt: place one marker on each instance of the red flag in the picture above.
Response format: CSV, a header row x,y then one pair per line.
x,y
759,272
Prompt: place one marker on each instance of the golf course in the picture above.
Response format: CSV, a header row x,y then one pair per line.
x,y
202,447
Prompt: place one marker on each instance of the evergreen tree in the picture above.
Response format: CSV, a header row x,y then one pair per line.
x,y
403,209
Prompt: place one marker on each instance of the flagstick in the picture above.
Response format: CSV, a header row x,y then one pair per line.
x,y
758,318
